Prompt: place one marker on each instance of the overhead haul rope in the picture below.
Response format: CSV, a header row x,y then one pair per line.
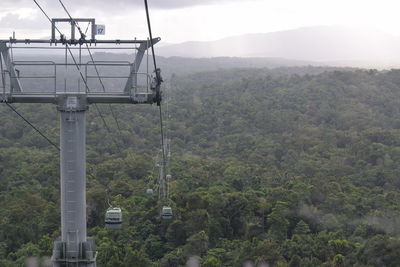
x,y
87,90
97,71
158,80
20,115
164,170
33,126
168,139
83,36
83,79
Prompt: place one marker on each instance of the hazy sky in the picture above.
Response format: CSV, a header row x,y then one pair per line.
x,y
200,20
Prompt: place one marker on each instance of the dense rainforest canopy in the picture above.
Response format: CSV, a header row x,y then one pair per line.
x,y
285,167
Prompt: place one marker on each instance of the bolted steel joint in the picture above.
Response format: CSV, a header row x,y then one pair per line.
x,y
72,102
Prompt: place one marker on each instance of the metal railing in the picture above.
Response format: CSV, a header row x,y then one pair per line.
x,y
48,70
64,70
36,64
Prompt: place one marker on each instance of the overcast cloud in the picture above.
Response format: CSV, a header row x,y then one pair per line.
x,y
12,21
161,4
157,4
199,20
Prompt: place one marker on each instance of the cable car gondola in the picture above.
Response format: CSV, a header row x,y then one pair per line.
x,y
149,192
113,218
166,213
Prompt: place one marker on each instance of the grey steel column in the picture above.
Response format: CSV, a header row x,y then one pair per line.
x,y
73,181
73,248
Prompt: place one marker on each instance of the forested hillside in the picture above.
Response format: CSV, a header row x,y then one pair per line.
x,y
286,167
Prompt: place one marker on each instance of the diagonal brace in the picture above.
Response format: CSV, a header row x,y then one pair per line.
x,y
132,80
14,81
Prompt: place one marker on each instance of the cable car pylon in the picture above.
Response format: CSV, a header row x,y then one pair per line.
x,y
164,171
74,248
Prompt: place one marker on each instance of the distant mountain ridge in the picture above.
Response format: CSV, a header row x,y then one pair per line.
x,y
318,44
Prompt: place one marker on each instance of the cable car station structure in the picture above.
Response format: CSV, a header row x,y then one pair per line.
x,y
74,248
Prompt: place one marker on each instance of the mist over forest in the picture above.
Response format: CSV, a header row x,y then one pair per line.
x,y
328,45
285,166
